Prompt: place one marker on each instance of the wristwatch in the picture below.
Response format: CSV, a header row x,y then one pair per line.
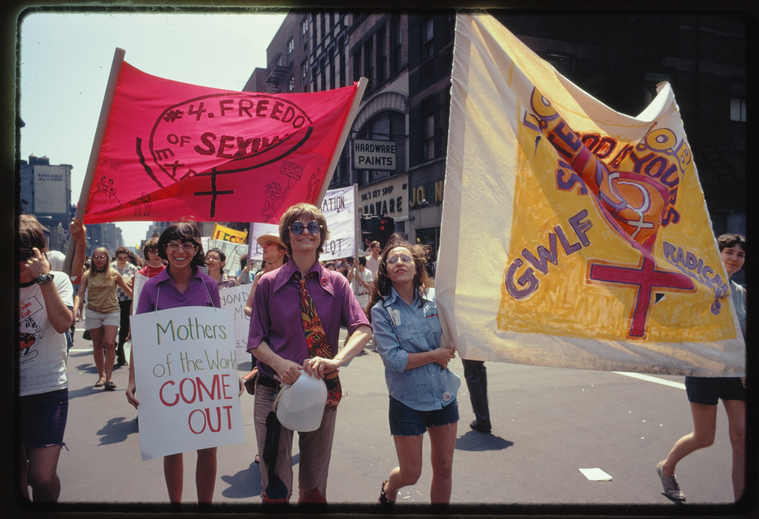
x,y
44,278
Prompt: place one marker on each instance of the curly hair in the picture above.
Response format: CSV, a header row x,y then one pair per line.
x,y
382,285
222,257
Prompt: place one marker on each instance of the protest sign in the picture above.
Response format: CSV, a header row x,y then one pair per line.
x,y
221,232
232,251
234,299
597,250
186,378
339,208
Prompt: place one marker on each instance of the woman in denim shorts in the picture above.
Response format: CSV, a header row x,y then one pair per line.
x,y
422,388
45,314
704,394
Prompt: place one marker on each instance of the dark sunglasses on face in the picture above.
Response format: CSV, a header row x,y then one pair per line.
x,y
25,254
297,228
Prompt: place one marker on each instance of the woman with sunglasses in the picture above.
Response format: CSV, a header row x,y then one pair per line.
x,y
103,315
295,325
180,284
45,314
422,388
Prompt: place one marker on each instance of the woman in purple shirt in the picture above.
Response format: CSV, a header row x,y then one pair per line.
x,y
295,327
180,284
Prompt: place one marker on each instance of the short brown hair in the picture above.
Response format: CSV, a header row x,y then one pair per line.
x,y
292,215
30,234
151,244
122,250
186,231
731,240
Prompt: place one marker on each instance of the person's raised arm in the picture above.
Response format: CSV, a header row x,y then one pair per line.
x,y
123,285
79,234
79,297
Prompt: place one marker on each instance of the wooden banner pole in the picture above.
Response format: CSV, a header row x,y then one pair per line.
x,y
105,110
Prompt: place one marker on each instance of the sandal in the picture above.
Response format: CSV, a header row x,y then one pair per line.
x,y
100,382
383,501
109,386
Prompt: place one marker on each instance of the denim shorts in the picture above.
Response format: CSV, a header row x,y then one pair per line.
x,y
93,319
708,391
43,418
405,421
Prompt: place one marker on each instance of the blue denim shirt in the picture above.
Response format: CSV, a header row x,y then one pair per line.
x,y
400,329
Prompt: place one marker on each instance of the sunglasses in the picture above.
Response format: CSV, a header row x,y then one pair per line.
x,y
297,228
25,254
405,259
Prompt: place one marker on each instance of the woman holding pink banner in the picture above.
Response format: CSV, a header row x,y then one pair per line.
x,y
180,284
704,394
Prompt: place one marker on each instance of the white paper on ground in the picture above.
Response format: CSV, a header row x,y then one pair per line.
x,y
595,474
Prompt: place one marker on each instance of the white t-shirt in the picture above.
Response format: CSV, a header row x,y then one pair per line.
x,y
373,265
362,294
42,355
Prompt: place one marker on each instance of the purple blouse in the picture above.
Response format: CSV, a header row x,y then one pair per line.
x,y
202,291
276,316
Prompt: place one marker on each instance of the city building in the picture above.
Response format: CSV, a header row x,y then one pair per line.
x,y
45,191
397,146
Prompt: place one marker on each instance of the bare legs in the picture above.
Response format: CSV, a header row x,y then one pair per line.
x,y
704,427
205,475
40,471
409,450
104,336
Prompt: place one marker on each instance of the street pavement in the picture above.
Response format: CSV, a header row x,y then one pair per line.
x,y
548,423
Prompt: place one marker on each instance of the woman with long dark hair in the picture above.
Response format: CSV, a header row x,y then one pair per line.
x,y
422,389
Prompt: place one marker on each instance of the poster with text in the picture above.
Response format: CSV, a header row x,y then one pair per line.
x,y
234,299
187,382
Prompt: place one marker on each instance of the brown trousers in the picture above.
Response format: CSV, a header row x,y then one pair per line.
x,y
315,452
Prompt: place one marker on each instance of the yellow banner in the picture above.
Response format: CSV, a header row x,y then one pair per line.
x,y
226,234
573,235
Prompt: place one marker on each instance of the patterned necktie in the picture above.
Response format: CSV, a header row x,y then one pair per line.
x,y
316,339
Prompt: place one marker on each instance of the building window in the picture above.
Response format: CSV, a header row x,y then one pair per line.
x,y
304,72
428,49
342,67
381,56
450,26
738,110
396,45
369,63
290,49
304,32
357,65
428,130
291,84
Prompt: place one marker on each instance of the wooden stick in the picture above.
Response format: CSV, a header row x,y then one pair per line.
x,y
97,143
361,87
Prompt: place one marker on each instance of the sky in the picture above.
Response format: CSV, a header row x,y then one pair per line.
x,y
66,59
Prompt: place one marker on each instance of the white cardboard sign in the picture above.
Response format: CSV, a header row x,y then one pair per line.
x,y
187,382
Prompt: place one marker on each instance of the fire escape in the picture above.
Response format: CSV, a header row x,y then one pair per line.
x,y
279,68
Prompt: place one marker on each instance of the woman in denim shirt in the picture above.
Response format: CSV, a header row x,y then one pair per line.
x,y
422,388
